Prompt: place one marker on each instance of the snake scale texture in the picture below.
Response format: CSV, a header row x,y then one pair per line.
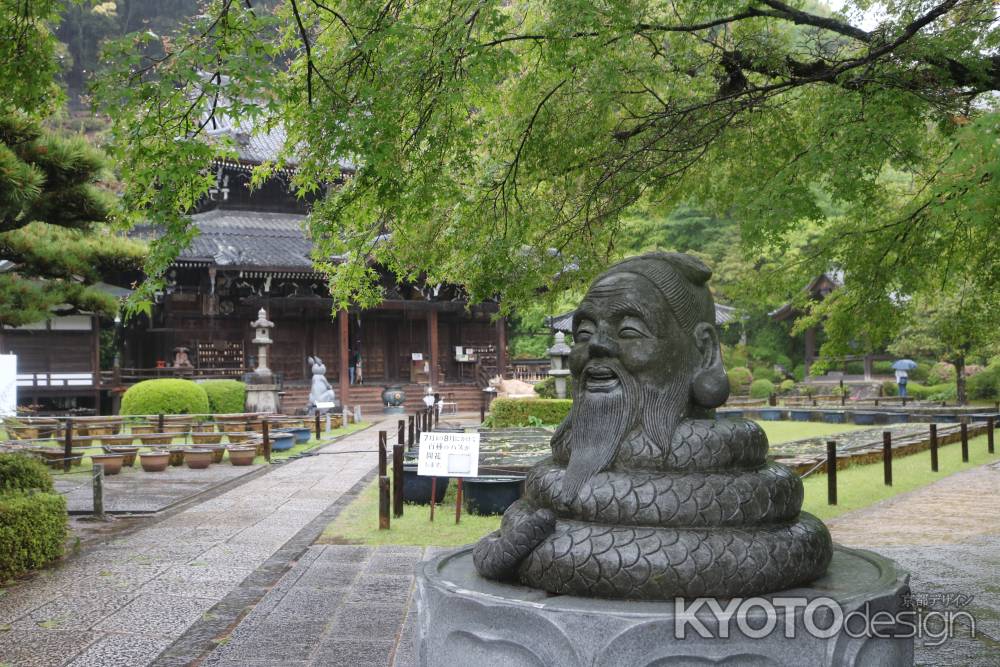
x,y
707,517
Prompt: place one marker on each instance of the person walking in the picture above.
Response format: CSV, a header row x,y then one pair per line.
x,y
901,379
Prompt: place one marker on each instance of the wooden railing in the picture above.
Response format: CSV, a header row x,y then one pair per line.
x,y
530,370
120,376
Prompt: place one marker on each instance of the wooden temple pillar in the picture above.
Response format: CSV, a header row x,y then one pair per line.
x,y
343,340
810,348
501,346
869,367
432,343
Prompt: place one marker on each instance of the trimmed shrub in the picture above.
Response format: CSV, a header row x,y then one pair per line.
x,y
761,388
786,386
890,388
32,531
919,374
519,411
547,387
935,392
225,396
985,384
941,373
740,379
882,368
765,373
166,396
23,473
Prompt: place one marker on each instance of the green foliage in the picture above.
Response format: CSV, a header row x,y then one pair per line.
x,y
739,380
19,472
225,396
734,356
787,386
585,112
765,373
761,388
547,387
882,368
986,384
32,531
890,388
941,373
521,411
166,396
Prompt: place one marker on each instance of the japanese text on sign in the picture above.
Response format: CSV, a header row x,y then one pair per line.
x,y
448,455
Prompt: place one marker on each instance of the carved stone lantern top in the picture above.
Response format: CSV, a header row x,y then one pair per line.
x,y
262,325
559,352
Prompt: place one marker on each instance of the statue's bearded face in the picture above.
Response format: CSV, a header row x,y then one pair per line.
x,y
632,365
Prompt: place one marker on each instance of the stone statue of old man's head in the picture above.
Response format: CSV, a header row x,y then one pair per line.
x,y
645,356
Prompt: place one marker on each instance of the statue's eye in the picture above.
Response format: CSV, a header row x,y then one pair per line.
x,y
630,332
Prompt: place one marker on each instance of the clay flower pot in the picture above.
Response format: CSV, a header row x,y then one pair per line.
x,y
154,461
206,438
53,457
242,456
127,452
112,463
196,459
238,438
176,456
218,451
282,442
149,440
138,429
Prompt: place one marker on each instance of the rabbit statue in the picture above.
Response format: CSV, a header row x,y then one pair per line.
x,y
320,391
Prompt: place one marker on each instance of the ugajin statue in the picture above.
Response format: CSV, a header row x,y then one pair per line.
x,y
647,495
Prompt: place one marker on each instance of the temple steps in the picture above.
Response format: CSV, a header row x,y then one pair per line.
x,y
369,397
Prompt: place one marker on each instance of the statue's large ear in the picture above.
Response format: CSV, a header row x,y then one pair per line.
x,y
710,386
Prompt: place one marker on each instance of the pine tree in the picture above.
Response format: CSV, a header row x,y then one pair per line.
x,y
54,243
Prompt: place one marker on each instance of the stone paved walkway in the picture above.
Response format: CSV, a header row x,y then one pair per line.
x,y
125,601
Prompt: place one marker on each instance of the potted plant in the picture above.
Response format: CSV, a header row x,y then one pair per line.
x,y
492,494
206,438
176,456
282,442
154,461
242,456
112,463
197,458
128,453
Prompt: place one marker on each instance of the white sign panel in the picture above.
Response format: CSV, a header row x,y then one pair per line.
x,y
8,384
448,455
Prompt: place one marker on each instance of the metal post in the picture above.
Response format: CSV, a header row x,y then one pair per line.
x,y
401,432
964,428
319,434
98,491
160,424
397,480
831,472
934,445
434,485
887,456
482,408
989,434
409,437
416,418
383,439
383,503
68,445
266,431
458,501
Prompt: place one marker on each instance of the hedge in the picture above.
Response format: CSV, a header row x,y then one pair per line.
x,y
225,396
740,379
23,473
985,384
761,388
547,387
518,411
32,531
166,397
787,386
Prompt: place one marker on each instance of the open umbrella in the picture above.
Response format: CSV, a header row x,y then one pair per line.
x,y
904,365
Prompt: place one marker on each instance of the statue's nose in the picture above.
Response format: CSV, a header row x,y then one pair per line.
x,y
602,345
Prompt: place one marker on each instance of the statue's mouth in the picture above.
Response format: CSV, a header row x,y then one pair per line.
x,y
600,379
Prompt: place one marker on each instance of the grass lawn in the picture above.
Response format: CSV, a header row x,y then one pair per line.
x,y
860,486
786,431
358,523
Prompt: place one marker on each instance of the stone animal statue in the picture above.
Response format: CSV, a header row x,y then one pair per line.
x,y
647,495
512,388
320,391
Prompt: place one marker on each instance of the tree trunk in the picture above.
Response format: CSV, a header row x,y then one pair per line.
x,y
959,365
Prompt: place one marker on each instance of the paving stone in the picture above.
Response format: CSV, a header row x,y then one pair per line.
x,y
80,610
381,588
367,620
309,603
40,647
330,576
351,653
277,641
406,650
163,615
346,553
127,649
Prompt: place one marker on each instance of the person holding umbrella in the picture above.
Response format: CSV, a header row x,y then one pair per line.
x,y
902,376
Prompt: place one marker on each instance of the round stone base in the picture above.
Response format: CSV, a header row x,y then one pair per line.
x,y
393,410
854,615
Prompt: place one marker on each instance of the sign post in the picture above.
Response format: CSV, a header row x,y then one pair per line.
x,y
448,455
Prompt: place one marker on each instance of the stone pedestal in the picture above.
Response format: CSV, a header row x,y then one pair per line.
x,y
262,398
466,619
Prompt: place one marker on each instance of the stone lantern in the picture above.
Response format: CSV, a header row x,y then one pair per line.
x,y
262,392
559,369
262,340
